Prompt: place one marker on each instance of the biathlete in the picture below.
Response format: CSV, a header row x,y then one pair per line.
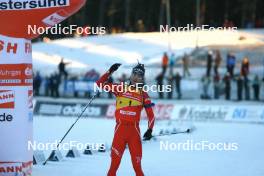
x,y
129,103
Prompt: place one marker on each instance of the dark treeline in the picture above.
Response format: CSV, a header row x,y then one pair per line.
x,y
147,15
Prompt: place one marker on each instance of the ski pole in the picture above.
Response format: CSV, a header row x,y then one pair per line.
x,y
87,105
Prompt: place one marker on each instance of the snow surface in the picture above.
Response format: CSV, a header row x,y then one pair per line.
x,y
247,160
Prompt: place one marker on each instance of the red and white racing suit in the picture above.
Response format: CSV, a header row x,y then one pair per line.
x,y
129,104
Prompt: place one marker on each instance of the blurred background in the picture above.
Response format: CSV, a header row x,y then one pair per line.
x,y
215,64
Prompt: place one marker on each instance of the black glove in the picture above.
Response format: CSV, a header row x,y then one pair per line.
x,y
114,67
148,135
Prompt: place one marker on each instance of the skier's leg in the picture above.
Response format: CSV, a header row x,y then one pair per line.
x,y
118,147
135,149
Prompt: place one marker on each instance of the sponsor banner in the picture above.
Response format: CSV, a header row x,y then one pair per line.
x,y
205,112
6,117
31,4
200,112
16,168
7,99
99,109
16,74
69,109
162,111
15,50
15,123
17,119
247,114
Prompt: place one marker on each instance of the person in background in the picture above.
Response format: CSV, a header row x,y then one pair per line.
x,y
62,69
140,26
205,83
51,85
216,86
256,87
178,84
230,64
217,62
227,81
263,81
47,86
262,87
171,63
56,84
37,83
240,84
159,80
247,88
244,72
245,67
185,62
165,62
170,82
209,63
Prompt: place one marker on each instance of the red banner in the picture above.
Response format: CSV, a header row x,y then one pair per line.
x,y
16,75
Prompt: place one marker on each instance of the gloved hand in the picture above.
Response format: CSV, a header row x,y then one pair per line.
x,y
148,135
114,67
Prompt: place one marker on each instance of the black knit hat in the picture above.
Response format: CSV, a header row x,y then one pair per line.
x,y
139,69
